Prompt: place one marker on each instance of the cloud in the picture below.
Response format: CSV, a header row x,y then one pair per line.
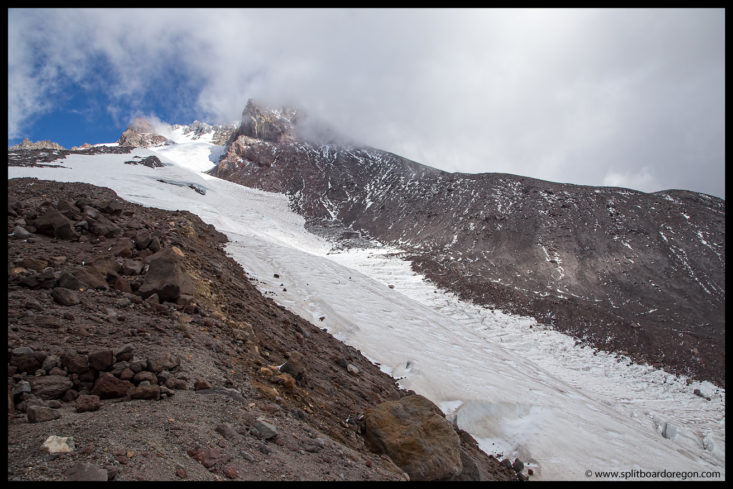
x,y
639,180
563,95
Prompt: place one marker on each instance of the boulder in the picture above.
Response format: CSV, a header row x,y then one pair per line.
x,y
166,277
50,386
87,402
36,264
64,296
28,362
123,247
68,281
104,227
69,210
74,362
107,267
91,278
414,433
142,239
53,223
145,375
101,360
108,386
39,414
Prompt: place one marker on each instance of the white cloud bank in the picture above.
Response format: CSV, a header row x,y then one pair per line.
x,y
564,95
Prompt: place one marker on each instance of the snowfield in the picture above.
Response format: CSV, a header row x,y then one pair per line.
x,y
520,389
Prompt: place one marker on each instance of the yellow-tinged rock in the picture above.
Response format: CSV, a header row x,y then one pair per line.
x,y
58,444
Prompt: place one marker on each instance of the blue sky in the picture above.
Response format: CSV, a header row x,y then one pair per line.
x,y
86,112
608,97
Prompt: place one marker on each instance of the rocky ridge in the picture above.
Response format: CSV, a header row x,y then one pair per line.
x,y
27,144
642,275
139,351
141,133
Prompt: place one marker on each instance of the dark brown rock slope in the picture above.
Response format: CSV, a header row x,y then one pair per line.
x,y
143,376
625,271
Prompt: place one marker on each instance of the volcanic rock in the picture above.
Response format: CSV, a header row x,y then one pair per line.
x,y
416,436
55,224
50,386
108,386
166,277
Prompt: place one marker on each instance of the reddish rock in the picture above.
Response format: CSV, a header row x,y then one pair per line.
x,y
177,384
101,360
145,375
201,384
145,392
70,395
208,457
74,362
108,386
87,403
127,374
231,472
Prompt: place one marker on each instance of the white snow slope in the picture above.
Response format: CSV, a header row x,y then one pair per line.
x,y
520,389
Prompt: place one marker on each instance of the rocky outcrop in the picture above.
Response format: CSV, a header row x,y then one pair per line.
x,y
260,122
416,436
27,144
141,134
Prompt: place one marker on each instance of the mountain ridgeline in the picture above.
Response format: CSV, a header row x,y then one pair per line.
x,y
639,274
